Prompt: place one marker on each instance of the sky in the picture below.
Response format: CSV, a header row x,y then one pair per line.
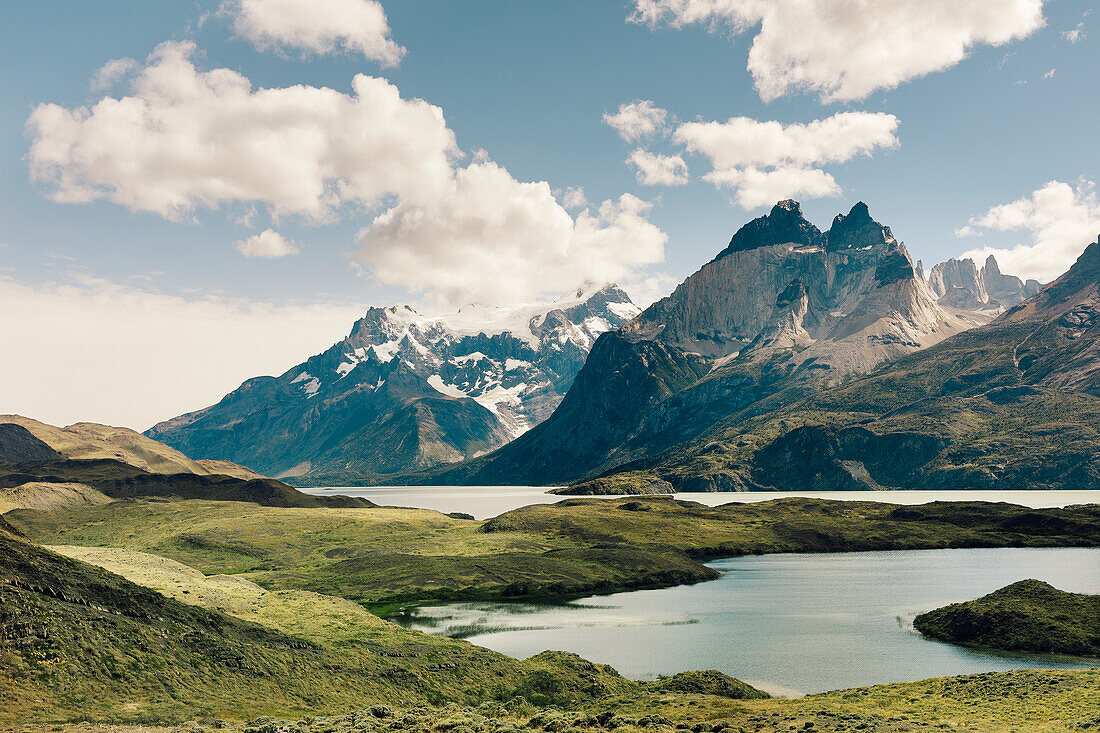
x,y
199,192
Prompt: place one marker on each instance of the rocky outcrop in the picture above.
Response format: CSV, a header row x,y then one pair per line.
x,y
405,391
960,284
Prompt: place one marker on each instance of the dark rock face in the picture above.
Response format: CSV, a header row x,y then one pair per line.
x,y
784,223
856,230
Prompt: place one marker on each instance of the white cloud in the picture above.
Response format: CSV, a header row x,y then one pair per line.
x,y
1061,220
636,120
659,170
1077,33
767,161
574,198
100,351
111,73
188,139
316,26
493,239
754,187
268,244
1049,74
645,289
847,49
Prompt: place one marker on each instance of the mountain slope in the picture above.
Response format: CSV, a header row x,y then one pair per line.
x,y
405,391
1014,404
93,462
91,441
782,311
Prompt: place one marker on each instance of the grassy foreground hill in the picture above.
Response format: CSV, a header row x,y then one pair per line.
x,y
1028,616
78,642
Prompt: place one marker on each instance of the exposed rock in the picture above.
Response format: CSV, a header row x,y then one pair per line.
x,y
960,284
783,309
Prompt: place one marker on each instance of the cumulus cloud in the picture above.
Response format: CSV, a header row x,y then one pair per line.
x,y
316,26
493,239
188,139
574,198
764,161
637,120
86,370
268,244
111,73
659,170
1061,220
846,49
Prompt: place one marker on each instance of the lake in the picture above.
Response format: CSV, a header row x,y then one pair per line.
x,y
489,501
790,624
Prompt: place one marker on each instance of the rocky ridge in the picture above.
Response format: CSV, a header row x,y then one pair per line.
x,y
784,310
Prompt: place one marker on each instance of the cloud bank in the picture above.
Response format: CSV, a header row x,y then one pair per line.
x,y
844,50
1061,220
490,238
96,350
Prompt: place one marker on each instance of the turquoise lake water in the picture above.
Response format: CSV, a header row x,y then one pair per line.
x,y
790,624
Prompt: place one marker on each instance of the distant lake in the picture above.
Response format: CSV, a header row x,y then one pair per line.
x,y
789,624
489,501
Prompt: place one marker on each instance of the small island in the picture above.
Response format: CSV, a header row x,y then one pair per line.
x,y
1027,616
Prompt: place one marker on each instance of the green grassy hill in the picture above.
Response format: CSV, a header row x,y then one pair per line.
x,y
1028,616
78,642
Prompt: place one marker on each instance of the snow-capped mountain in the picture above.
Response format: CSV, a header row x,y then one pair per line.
x,y
406,390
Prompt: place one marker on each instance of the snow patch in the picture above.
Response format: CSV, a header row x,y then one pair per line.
x,y
443,388
385,352
624,310
510,364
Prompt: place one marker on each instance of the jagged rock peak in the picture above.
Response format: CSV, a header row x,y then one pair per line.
x,y
857,230
783,224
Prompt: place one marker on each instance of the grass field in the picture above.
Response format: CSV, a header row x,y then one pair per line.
x,y
384,557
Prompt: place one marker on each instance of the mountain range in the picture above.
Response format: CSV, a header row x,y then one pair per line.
x,y
406,391
774,366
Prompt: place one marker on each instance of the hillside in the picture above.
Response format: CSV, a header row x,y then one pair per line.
x,y
80,642
1028,616
35,475
386,555
87,441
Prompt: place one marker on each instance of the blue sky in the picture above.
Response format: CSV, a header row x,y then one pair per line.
x,y
529,83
